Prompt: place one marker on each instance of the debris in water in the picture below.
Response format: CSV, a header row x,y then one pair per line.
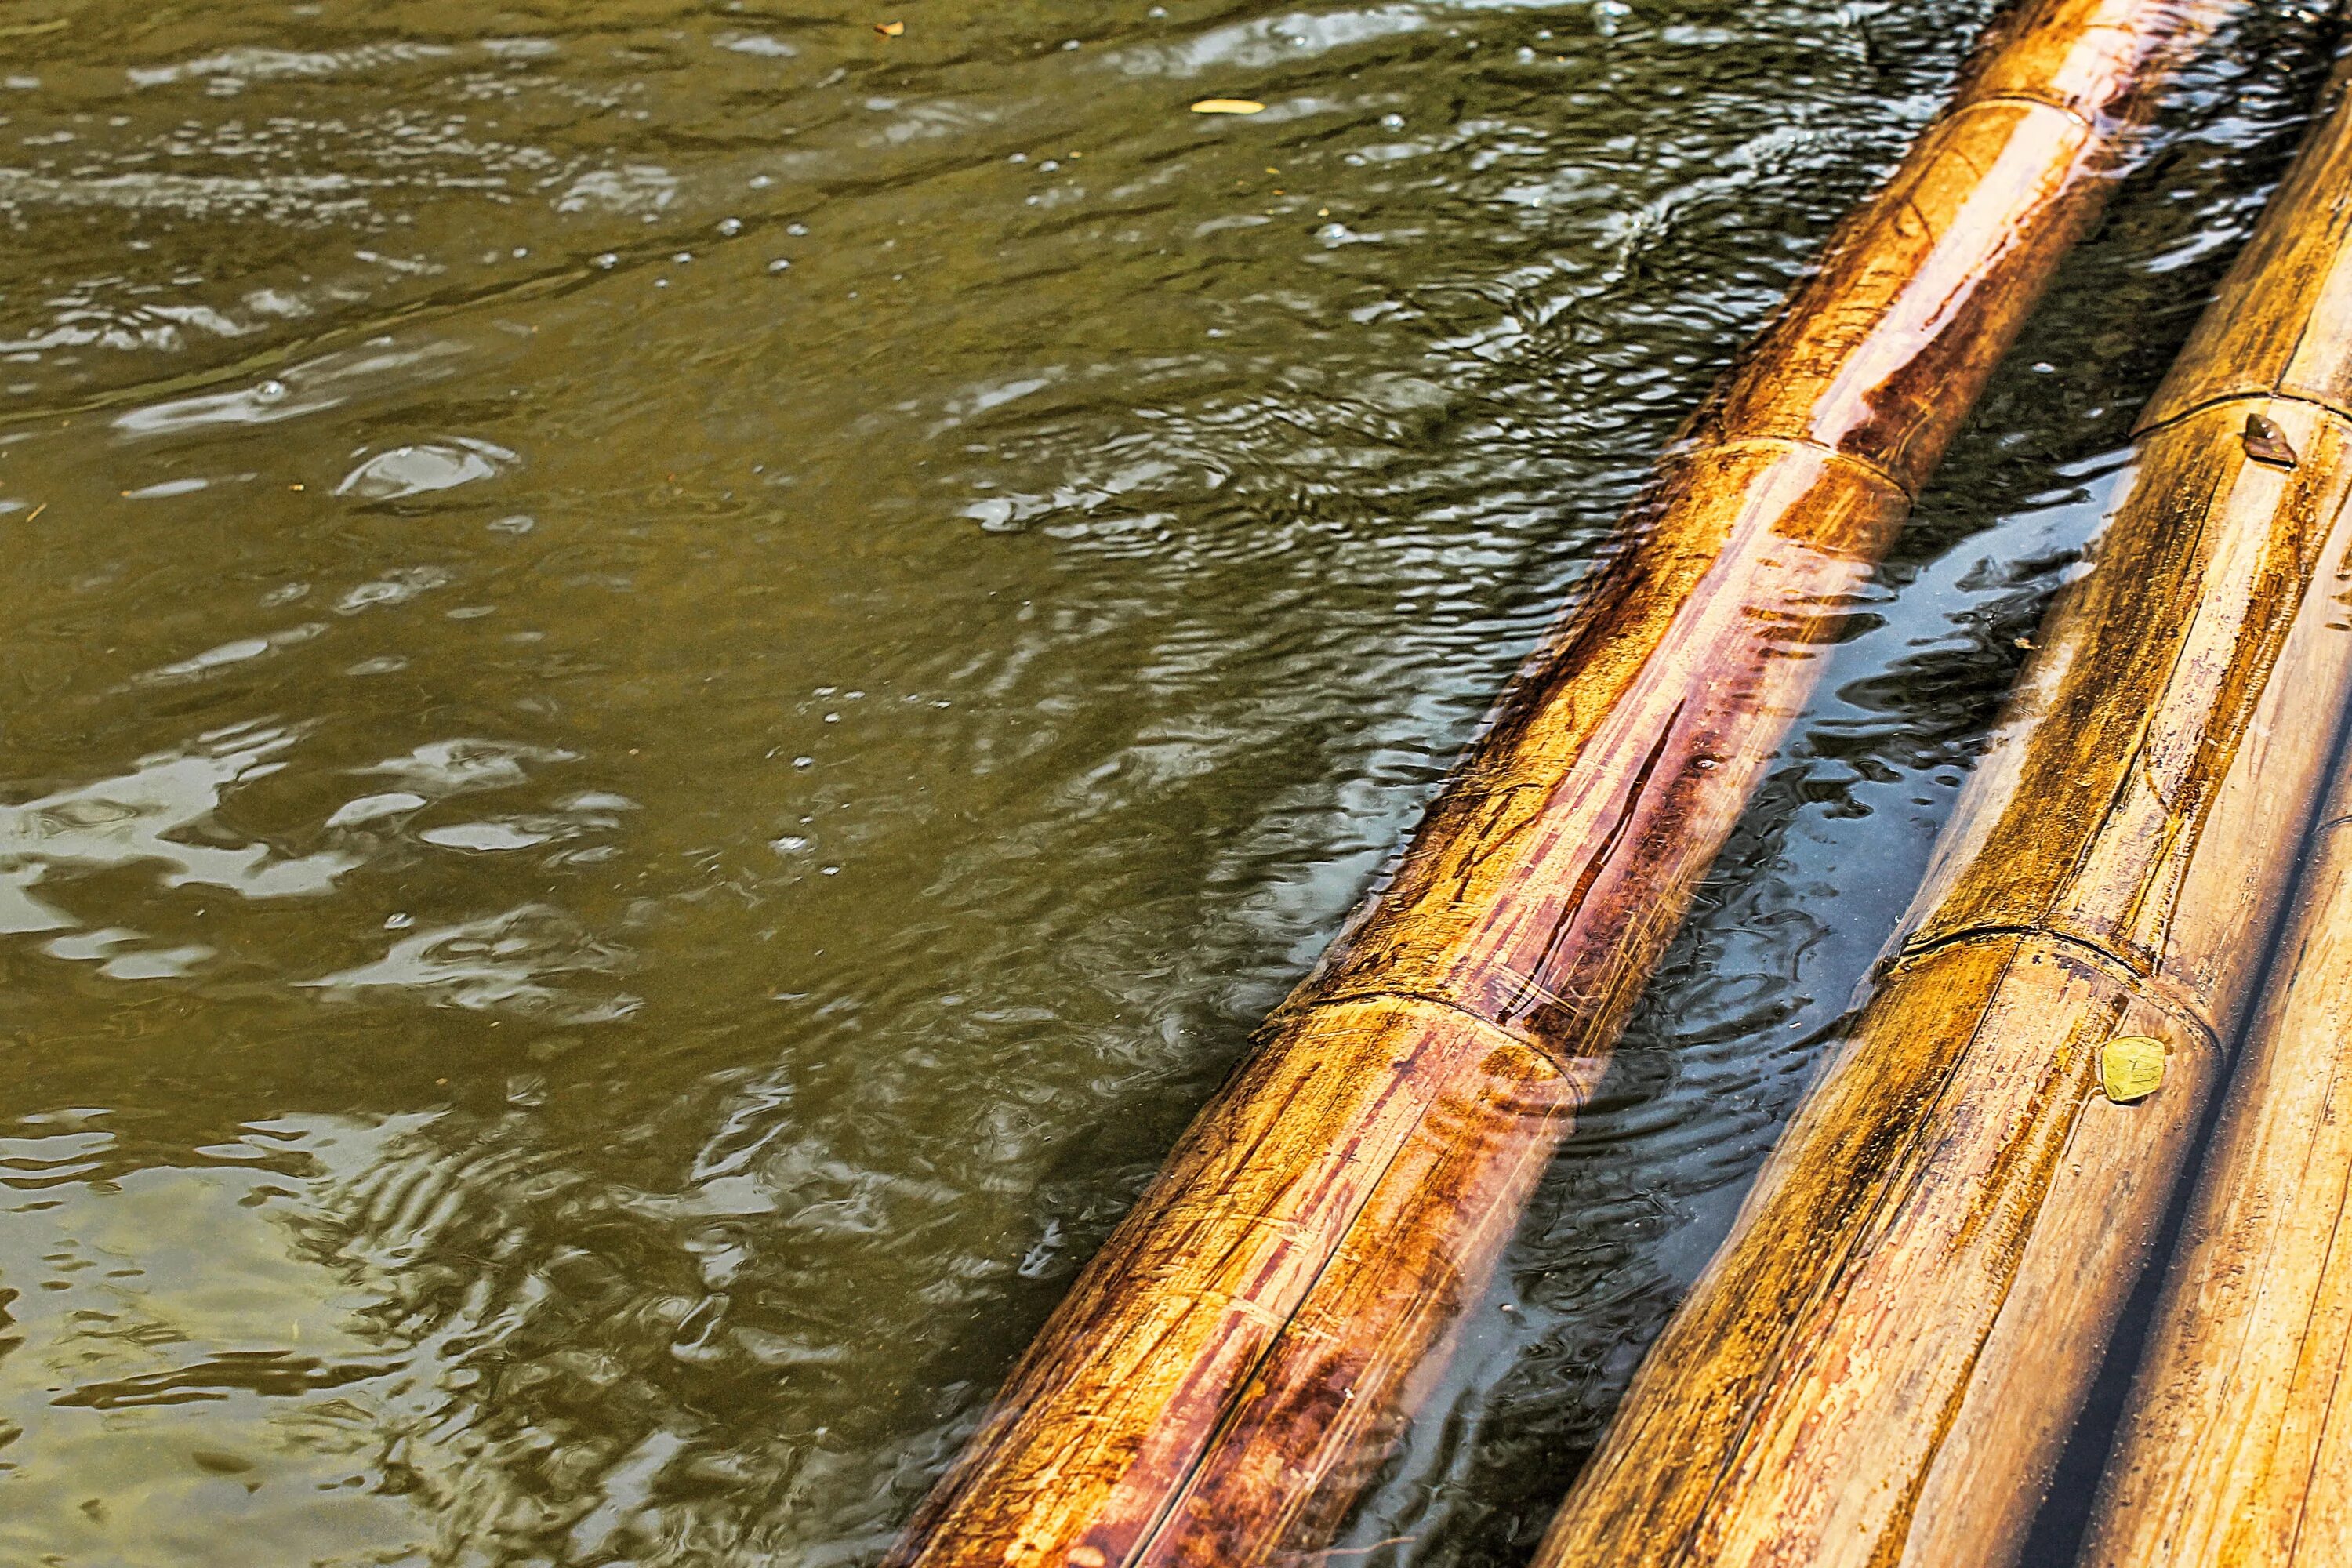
x,y
1228,106
889,29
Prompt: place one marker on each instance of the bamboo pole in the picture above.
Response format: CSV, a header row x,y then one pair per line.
x,y
1881,1364
1223,1371
2236,1445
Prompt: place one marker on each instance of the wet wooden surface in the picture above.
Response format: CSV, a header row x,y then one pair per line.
x,y
1223,1371
1882,1363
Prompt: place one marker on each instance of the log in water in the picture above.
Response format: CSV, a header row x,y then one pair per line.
x,y
2234,1448
2236,1444
1883,1361
1218,1378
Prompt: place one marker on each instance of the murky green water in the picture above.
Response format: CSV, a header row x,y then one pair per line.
x,y
675,677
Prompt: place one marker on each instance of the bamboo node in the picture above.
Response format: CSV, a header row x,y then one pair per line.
x,y
2131,1068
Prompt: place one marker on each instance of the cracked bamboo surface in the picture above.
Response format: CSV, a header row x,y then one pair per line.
x,y
1224,1372
2236,1444
1882,1362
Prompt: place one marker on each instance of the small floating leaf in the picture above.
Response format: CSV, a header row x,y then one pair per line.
x,y
2267,443
889,29
2131,1068
1228,106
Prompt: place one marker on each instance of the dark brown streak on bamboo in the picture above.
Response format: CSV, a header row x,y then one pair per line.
x,y
1223,1371
1881,1364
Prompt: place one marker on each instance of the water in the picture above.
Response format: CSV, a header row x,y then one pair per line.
x,y
675,678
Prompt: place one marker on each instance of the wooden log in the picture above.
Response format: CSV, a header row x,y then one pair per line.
x,y
1883,1362
2236,1445
2236,1442
1224,1370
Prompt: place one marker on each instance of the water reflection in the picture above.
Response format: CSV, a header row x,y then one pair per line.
x,y
677,678
503,962
142,818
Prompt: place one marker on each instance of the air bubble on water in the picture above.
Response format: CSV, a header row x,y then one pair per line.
x,y
269,392
731,226
607,261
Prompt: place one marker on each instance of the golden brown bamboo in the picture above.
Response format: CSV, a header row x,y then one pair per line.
x,y
1213,1386
2236,1445
1881,1364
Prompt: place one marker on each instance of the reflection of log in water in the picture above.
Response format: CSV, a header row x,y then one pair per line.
x,y
1883,1361
1214,1386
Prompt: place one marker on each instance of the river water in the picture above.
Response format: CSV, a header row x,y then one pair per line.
x,y
675,679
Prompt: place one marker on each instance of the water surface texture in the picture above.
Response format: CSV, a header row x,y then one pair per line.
x,y
675,679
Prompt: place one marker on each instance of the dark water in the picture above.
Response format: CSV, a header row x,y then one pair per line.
x,y
675,679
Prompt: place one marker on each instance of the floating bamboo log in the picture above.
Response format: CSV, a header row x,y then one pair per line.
x,y
1213,1387
2236,1446
1882,1363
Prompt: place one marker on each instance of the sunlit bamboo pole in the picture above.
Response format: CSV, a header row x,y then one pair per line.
x,y
2236,1446
1222,1371
1883,1362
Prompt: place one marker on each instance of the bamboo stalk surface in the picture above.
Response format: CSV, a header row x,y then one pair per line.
x,y
1224,1372
2236,1442
2236,1445
1881,1364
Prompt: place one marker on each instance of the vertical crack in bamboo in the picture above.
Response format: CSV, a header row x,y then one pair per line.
x,y
1224,1371
1880,1365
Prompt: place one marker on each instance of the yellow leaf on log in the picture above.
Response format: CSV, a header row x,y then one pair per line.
x,y
2131,1068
